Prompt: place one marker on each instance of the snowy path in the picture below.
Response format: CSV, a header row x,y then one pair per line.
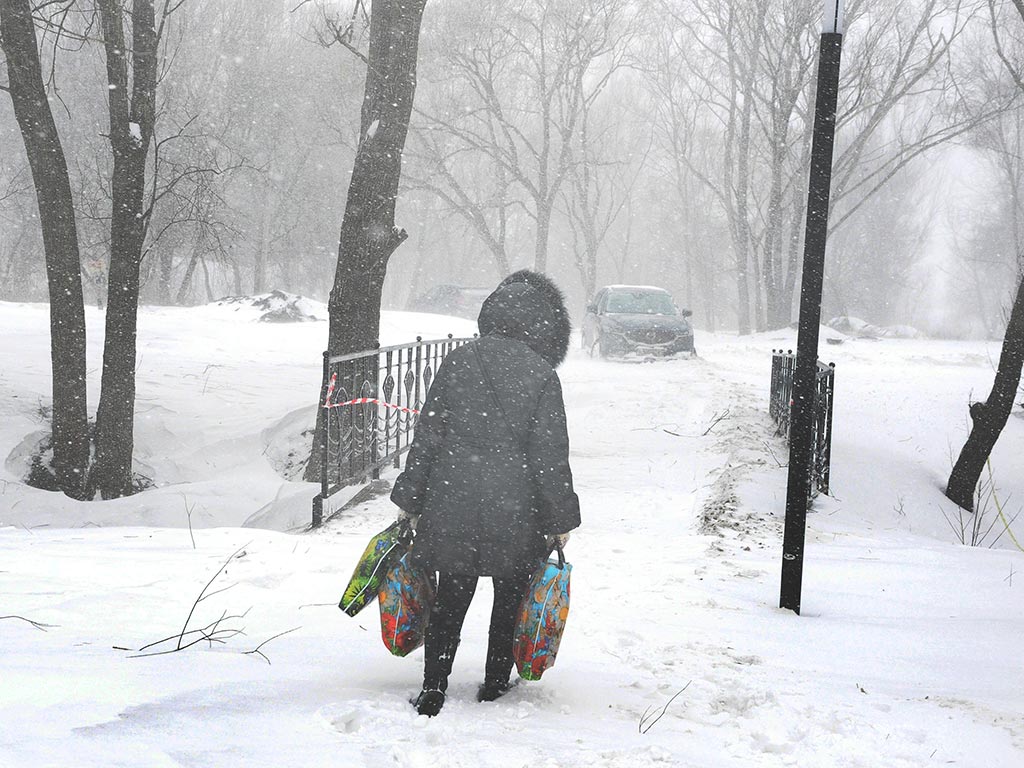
x,y
908,652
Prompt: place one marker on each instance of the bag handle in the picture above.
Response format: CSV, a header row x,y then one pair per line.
x,y
561,555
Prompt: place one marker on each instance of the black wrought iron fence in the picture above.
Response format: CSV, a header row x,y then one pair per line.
x,y
371,401
780,408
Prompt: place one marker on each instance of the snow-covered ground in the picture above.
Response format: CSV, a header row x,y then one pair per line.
x,y
908,652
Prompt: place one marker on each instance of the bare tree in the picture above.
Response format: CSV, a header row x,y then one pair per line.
x,y
519,77
60,240
608,158
477,190
988,418
369,236
131,100
21,256
686,151
748,66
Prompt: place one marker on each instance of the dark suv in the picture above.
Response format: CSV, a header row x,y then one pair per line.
x,y
634,321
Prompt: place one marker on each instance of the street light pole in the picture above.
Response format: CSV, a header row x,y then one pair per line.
x,y
801,434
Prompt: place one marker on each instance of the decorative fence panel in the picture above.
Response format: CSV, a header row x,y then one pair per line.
x,y
371,401
781,404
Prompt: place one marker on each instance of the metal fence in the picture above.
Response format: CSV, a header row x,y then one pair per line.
x,y
780,408
371,401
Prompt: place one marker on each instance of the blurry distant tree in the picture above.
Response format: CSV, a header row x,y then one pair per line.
x,y
608,153
683,142
239,167
746,67
868,273
27,89
477,191
988,418
514,82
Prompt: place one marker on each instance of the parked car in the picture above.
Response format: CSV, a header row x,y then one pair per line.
x,y
449,299
635,321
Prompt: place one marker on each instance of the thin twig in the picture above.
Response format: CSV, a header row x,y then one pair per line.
x,y
232,633
37,624
960,534
715,419
769,447
257,650
205,631
188,513
645,719
201,594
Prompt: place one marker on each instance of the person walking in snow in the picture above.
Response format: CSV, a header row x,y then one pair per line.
x,y
487,482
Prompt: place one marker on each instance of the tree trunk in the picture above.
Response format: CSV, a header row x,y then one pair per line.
x,y
236,274
759,317
540,258
742,241
797,216
258,269
368,233
793,255
778,310
164,272
190,270
70,431
131,129
259,262
710,293
207,283
989,418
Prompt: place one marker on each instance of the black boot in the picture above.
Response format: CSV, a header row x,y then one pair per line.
x,y
493,689
429,702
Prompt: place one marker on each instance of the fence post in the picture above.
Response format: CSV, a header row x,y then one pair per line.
x,y
353,414
325,436
781,404
374,378
827,468
419,372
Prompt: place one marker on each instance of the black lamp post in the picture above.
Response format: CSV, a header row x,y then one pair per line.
x,y
801,435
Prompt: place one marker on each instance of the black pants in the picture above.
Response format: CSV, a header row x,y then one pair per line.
x,y
454,594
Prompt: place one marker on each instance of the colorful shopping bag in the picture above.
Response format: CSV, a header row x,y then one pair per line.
x,y
542,616
406,598
379,557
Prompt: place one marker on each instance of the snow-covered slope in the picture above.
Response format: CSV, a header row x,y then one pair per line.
x,y
221,399
907,652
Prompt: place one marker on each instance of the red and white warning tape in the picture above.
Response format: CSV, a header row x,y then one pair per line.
x,y
361,400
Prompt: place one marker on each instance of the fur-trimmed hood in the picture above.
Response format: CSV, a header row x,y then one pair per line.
x,y
529,307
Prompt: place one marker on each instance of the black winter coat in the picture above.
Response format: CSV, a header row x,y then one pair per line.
x,y
488,472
